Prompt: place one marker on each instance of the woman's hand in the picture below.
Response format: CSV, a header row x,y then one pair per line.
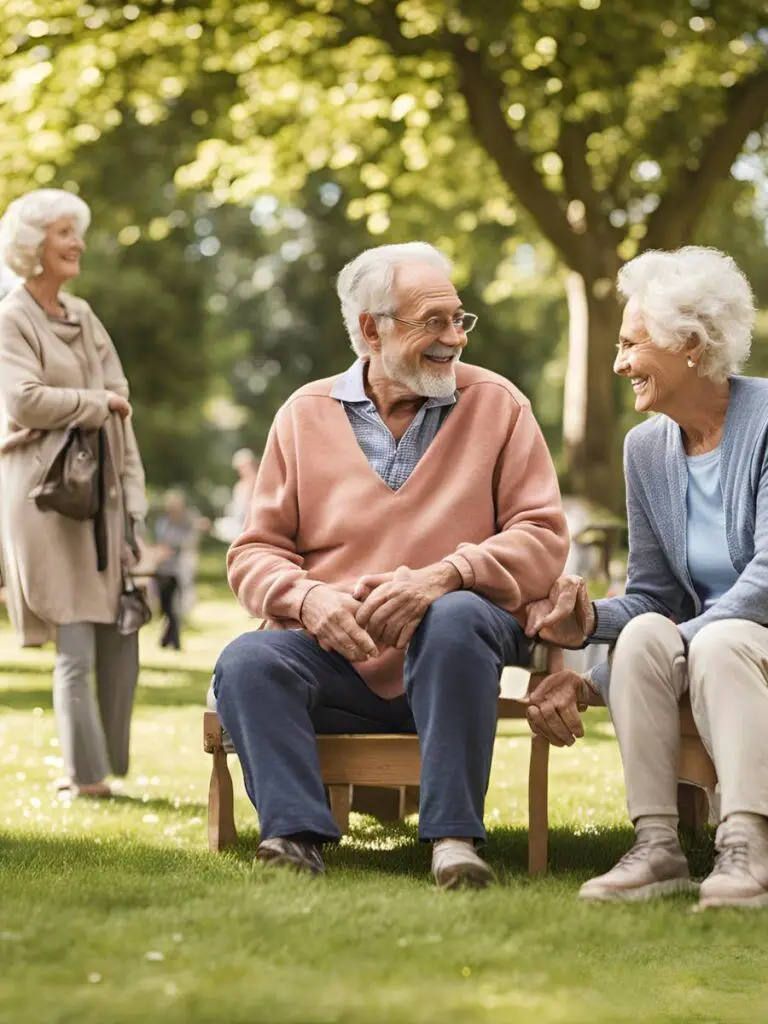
x,y
565,618
116,403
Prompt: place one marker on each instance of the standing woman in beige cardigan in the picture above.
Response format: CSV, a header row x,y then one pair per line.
x,y
59,369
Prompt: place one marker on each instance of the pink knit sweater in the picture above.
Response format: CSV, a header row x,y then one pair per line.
x,y
484,497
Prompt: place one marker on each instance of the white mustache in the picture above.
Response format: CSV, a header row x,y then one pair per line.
x,y
440,351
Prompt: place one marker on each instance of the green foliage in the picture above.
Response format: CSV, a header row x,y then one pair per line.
x,y
585,129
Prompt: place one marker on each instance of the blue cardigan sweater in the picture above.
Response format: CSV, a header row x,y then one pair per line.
x,y
656,477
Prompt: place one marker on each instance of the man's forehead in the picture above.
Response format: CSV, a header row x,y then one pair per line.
x,y
420,281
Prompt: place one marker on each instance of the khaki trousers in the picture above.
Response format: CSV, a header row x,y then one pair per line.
x,y
726,674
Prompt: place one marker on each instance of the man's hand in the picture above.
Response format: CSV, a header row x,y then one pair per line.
x,y
329,616
395,603
565,618
553,708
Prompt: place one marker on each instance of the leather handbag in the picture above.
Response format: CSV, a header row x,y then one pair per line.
x,y
133,609
72,483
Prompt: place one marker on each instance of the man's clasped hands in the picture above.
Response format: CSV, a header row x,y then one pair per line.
x,y
384,611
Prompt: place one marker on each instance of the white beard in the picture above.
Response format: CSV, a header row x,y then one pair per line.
x,y
424,382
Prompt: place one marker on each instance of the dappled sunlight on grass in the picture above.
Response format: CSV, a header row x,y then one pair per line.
x,y
115,911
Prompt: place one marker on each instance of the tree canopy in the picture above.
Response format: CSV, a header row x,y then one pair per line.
x,y
603,128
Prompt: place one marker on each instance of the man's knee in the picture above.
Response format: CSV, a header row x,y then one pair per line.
x,y
247,662
453,617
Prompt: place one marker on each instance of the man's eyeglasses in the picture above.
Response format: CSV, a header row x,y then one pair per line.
x,y
437,324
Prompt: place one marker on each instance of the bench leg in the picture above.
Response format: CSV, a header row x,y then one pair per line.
x,y
693,807
386,803
221,804
382,802
538,811
340,798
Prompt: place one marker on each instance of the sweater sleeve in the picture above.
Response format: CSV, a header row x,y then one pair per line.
x,y
263,566
651,584
524,558
34,404
748,597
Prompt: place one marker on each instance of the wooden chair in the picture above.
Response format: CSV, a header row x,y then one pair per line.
x,y
379,775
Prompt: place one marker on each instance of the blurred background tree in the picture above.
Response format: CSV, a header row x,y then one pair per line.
x,y
236,154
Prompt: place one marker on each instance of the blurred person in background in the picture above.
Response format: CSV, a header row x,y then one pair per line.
x,y
694,618
63,577
177,534
229,527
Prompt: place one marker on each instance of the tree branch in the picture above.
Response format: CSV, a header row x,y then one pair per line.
x,y
577,178
674,220
484,95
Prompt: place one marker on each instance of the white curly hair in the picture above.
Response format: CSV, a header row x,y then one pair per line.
x,y
694,291
365,284
24,223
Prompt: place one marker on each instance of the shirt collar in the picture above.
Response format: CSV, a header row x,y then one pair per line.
x,y
350,387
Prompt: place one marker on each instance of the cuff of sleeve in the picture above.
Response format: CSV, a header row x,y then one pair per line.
x,y
302,588
607,625
463,568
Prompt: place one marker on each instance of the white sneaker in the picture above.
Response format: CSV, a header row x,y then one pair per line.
x,y
740,875
649,870
455,863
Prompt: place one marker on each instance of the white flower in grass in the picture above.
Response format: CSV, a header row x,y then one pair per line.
x,y
94,978
154,956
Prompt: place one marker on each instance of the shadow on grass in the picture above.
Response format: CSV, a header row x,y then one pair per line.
x,y
188,689
394,849
159,803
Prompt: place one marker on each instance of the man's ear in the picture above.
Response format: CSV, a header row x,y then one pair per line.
x,y
370,331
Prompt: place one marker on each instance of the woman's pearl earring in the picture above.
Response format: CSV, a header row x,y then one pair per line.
x,y
691,363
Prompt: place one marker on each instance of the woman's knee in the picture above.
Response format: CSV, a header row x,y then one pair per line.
x,y
649,634
711,653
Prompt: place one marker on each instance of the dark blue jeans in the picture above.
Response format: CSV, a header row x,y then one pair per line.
x,y
276,689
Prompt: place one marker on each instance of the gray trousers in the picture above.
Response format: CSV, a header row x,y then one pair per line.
x,y
94,723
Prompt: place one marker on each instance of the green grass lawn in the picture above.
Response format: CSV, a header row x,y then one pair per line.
x,y
115,911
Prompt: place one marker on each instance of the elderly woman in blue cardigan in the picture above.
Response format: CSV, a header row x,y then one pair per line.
x,y
695,614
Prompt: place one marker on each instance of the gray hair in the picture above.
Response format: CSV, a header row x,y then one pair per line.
x,y
694,291
23,226
365,284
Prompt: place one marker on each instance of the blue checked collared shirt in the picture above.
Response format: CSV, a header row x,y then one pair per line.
x,y
393,461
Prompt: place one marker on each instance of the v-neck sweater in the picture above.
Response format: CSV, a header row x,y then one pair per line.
x,y
484,497
656,472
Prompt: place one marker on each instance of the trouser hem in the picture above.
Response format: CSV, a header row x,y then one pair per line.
x,y
429,833
642,812
281,830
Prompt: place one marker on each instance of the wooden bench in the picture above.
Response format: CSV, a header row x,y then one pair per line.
x,y
379,775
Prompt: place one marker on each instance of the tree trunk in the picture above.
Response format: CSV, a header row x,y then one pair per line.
x,y
593,463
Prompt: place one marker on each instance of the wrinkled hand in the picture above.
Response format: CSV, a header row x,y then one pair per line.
x,y
553,708
116,403
329,616
395,603
566,617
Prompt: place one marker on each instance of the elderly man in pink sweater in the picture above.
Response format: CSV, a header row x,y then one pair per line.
x,y
405,513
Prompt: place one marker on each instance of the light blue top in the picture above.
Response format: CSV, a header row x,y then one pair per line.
x,y
393,461
656,474
709,561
